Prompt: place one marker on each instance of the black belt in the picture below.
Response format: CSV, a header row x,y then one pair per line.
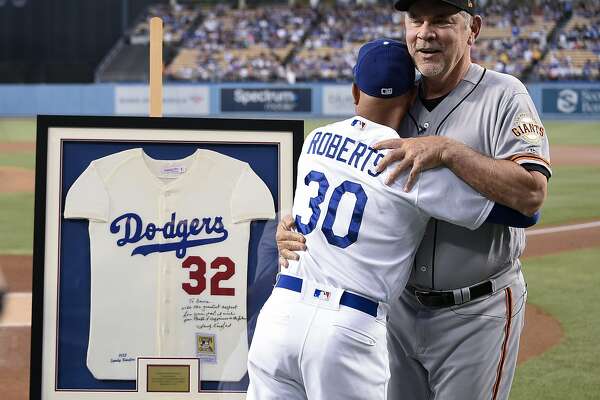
x,y
451,298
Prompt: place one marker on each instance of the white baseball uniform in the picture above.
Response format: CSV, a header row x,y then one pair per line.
x,y
361,237
169,251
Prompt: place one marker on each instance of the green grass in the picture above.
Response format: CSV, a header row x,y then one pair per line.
x,y
310,124
20,159
565,286
16,223
17,129
573,195
560,133
573,133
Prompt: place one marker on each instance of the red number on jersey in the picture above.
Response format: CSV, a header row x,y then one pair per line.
x,y
215,289
197,275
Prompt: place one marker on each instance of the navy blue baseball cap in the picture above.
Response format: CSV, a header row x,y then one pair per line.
x,y
465,5
384,69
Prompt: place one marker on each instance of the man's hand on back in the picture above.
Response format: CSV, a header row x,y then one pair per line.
x,y
288,241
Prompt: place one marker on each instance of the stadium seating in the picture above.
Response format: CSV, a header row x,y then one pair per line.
x,y
575,54
539,39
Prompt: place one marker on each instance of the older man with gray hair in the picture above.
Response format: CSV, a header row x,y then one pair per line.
x,y
454,332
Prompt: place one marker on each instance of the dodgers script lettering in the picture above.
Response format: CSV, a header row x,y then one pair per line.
x,y
133,230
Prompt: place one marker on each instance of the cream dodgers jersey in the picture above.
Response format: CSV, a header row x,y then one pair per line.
x,y
169,251
362,235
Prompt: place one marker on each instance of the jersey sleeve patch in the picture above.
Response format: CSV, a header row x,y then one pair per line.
x,y
527,128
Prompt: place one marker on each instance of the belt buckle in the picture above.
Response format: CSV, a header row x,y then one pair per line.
x,y
418,294
423,296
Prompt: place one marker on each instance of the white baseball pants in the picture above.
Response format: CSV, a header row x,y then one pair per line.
x,y
304,350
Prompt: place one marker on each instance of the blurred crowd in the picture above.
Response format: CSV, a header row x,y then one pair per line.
x,y
329,52
270,27
575,54
177,20
508,55
538,39
243,45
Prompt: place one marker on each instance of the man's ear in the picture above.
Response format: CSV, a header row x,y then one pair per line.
x,y
475,29
355,93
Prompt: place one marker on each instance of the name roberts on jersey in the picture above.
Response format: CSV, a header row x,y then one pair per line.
x,y
346,150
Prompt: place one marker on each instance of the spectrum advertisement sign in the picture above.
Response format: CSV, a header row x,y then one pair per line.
x,y
571,101
269,100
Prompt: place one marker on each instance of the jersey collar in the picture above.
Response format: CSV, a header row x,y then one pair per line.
x,y
473,75
365,124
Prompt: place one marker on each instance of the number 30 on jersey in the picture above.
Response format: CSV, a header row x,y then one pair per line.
x,y
352,188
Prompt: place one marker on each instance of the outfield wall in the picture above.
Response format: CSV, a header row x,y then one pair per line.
x,y
574,101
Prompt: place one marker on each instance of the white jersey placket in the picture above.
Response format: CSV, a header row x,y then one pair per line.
x,y
164,275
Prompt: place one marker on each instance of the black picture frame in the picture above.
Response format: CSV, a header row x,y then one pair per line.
x,y
254,131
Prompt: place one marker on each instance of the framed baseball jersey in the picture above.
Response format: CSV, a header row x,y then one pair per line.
x,y
154,251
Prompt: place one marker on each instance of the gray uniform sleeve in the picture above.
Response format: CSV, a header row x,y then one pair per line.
x,y
442,195
520,135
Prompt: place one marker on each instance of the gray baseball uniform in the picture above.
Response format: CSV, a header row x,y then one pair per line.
x,y
454,333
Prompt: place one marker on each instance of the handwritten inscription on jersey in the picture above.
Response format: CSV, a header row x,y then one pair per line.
x,y
205,314
134,230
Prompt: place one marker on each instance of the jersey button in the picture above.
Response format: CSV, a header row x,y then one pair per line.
x,y
423,268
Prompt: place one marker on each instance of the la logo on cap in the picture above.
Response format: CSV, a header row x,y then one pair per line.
x,y
387,91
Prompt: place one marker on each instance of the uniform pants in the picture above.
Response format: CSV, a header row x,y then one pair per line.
x,y
301,351
467,352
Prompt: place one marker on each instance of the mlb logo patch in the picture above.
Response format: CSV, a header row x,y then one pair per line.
x,y
359,122
322,295
387,91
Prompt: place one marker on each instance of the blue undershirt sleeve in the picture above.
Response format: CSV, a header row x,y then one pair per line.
x,y
503,215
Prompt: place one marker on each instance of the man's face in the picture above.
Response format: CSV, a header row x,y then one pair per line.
x,y
436,36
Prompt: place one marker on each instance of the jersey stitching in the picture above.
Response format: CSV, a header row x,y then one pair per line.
x,y
305,339
437,131
531,157
504,342
433,255
414,122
